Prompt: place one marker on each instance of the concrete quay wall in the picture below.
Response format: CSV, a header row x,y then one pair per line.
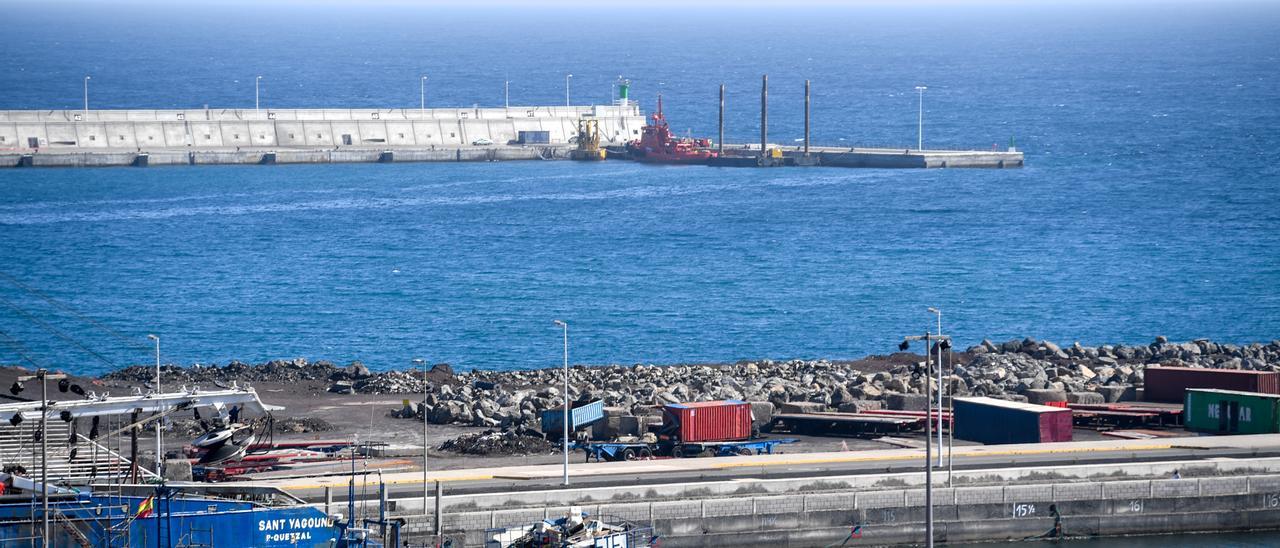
x,y
896,516
25,131
860,483
119,158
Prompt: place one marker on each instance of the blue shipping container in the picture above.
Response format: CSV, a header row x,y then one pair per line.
x,y
553,419
991,421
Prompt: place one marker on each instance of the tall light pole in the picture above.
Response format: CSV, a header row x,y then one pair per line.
x,y
86,98
506,94
256,103
920,119
938,361
566,89
44,456
565,439
422,105
426,490
44,377
928,429
951,431
159,440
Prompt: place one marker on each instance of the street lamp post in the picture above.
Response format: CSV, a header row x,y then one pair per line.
x,y
928,429
566,89
565,439
426,490
159,440
938,363
422,97
506,94
920,119
86,98
256,103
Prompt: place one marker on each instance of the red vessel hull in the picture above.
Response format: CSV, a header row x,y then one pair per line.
x,y
658,158
658,146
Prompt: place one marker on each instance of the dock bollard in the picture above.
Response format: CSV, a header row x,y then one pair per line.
x,y
439,509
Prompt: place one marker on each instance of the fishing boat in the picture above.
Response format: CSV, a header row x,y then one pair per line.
x,y
145,516
658,146
75,489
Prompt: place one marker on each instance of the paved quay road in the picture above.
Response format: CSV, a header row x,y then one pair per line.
x,y
780,466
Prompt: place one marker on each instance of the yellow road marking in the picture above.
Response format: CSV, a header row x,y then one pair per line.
x,y
832,460
336,482
797,459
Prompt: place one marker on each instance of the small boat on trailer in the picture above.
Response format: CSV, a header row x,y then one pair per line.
x,y
575,530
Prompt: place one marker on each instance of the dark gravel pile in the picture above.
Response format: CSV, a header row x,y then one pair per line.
x,y
500,442
302,425
273,371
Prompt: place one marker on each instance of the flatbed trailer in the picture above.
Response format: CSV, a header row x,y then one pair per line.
x,y
857,424
619,451
933,415
1126,415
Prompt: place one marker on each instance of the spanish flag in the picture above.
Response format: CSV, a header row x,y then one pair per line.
x,y
147,508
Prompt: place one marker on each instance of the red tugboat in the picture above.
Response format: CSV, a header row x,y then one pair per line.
x,y
658,146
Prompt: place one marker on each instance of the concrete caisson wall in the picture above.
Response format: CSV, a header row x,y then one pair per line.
x,y
888,516
896,517
212,129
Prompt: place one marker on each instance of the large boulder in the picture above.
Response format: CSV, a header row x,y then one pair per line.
x,y
761,411
1044,395
866,392
629,425
907,402
1118,392
450,412
1091,398
802,407
858,406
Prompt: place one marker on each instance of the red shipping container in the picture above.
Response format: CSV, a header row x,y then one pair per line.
x,y
1170,384
727,420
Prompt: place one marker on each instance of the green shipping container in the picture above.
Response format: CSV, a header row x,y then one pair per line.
x,y
1231,412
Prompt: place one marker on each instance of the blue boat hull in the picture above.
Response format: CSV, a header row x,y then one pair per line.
x,y
111,521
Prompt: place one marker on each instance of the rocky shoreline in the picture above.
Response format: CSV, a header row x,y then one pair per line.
x,y
1020,369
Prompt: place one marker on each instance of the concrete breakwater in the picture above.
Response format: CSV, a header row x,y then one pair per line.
x,y
1018,369
75,138
141,138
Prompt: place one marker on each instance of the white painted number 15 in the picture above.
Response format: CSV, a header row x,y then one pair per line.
x,y
612,541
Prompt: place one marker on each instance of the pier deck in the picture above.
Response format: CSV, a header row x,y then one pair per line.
x,y
896,158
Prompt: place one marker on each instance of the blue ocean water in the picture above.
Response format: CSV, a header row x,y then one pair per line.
x,y
1148,206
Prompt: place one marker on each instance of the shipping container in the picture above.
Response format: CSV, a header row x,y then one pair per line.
x,y
725,420
533,137
583,415
1169,384
992,421
1231,412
